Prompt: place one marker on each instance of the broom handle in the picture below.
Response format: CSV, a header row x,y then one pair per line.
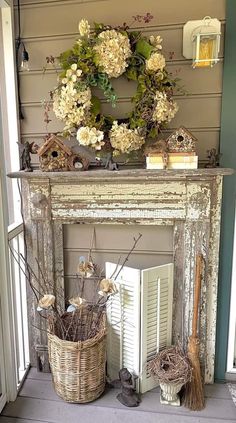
x,y
197,294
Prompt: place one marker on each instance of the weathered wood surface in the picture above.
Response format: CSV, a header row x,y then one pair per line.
x,y
38,402
124,173
188,200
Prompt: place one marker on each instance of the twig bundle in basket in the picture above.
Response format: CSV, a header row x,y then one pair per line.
x,y
82,324
171,366
76,338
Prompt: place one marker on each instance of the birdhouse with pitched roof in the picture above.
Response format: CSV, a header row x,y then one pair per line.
x,y
54,155
181,141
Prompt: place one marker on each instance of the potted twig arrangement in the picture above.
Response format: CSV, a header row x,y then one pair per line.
x,y
77,332
172,369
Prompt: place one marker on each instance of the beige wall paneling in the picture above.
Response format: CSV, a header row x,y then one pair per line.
x,y
50,27
195,111
154,248
62,16
41,46
35,85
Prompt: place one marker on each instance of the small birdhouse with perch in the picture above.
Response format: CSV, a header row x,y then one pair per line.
x,y
181,141
54,155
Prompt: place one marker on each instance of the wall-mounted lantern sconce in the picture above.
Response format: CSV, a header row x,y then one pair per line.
x,y
201,42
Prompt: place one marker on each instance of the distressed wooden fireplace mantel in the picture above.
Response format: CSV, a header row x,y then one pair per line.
x,y
189,200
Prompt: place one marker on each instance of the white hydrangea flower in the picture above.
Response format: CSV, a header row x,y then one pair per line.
x,y
72,106
91,137
125,140
156,41
156,62
84,28
113,50
79,42
165,109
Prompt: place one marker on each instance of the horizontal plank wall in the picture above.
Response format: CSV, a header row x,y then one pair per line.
x,y
110,243
49,27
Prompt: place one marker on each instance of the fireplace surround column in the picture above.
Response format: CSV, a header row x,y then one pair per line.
x,y
190,200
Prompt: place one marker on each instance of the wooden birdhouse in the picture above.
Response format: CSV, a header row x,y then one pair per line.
x,y
54,155
181,141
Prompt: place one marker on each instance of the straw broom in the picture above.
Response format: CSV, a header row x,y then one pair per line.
x,y
194,393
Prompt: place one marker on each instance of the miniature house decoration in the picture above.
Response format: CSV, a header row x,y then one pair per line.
x,y
179,153
54,155
181,141
139,320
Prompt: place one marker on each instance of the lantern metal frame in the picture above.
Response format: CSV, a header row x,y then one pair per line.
x,y
193,32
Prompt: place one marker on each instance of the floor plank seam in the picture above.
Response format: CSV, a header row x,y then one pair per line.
x,y
23,418
186,412
150,393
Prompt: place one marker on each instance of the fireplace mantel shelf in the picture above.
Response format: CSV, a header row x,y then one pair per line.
x,y
127,174
188,200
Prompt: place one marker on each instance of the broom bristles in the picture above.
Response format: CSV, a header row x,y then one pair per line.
x,y
194,392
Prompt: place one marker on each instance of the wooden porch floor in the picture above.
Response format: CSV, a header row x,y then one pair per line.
x,y
38,403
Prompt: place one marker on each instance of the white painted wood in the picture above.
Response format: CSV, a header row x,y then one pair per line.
x,y
123,312
7,343
137,196
156,318
127,345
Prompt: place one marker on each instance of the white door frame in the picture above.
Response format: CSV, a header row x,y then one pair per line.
x,y
8,345
7,335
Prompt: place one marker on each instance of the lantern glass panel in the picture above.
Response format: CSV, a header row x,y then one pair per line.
x,y
205,50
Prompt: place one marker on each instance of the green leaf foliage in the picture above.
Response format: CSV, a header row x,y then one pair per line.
x,y
96,105
144,48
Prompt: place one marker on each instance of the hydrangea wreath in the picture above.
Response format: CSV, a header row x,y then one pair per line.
x,y
98,56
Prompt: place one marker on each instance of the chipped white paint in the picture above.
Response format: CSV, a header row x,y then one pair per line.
x,y
100,214
189,200
198,200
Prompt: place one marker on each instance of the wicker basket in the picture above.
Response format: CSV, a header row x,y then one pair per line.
x,y
78,368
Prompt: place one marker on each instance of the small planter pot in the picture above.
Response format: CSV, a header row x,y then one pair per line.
x,y
169,393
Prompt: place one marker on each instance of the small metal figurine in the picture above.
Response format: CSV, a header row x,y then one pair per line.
x,y
25,159
128,395
213,158
110,164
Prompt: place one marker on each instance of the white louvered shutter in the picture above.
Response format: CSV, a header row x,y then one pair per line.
x,y
156,318
123,340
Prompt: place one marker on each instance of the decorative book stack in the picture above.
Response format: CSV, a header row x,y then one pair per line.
x,y
178,151
181,160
